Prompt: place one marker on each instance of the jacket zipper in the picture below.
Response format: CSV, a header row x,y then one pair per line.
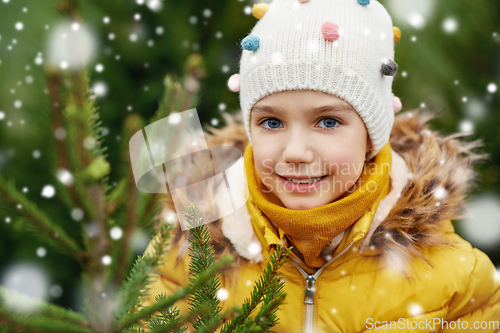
x,y
310,282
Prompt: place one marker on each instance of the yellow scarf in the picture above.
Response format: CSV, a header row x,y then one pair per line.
x,y
311,229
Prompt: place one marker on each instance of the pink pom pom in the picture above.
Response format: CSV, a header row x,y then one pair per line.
x,y
234,83
396,103
330,31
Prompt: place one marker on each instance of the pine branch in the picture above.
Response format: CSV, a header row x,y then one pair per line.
x,y
168,320
39,324
266,285
39,221
79,158
178,294
136,284
201,259
165,107
68,195
45,317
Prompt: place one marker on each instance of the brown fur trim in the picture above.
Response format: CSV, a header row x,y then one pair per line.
x,y
438,165
441,175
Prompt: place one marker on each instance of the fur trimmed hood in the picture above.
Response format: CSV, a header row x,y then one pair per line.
x,y
430,178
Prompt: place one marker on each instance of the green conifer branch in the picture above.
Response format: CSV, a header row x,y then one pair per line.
x,y
74,148
267,284
60,155
46,309
44,317
136,285
168,320
178,294
202,258
40,324
52,233
165,107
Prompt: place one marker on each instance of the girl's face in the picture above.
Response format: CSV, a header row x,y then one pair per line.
x,y
307,134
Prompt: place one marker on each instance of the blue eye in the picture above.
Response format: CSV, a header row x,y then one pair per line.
x,y
273,123
330,123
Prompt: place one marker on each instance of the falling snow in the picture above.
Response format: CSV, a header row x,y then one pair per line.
x,y
56,291
207,13
450,25
482,226
77,214
155,5
440,193
222,294
193,20
492,88
100,89
466,126
48,191
60,133
116,233
254,248
41,252
415,309
18,104
64,176
30,281
106,260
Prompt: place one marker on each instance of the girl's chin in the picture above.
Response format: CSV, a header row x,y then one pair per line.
x,y
303,204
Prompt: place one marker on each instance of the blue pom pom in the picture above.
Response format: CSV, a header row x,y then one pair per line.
x,y
364,2
250,43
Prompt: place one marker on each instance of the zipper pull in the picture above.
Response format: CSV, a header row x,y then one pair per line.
x,y
309,298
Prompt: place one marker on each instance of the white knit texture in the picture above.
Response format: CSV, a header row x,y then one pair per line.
x,y
293,55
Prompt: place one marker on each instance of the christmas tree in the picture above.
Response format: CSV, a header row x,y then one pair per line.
x,y
112,213
112,283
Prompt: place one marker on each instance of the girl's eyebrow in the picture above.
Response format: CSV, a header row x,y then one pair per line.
x,y
321,109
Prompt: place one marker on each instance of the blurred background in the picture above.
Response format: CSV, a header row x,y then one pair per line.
x,y
448,57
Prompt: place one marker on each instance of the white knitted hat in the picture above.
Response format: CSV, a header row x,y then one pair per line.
x,y
341,47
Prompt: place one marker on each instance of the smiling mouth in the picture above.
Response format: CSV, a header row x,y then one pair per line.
x,y
304,181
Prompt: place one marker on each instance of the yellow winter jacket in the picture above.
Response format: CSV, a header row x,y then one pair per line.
x,y
399,268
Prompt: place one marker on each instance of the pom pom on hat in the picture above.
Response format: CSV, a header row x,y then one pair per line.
x,y
397,34
330,31
364,2
396,103
234,83
259,9
250,43
389,68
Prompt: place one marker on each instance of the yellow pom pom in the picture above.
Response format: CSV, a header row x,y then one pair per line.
x,y
259,9
397,34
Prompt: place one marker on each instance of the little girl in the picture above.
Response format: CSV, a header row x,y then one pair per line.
x,y
365,198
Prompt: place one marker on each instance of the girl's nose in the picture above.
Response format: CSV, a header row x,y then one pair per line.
x,y
298,150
